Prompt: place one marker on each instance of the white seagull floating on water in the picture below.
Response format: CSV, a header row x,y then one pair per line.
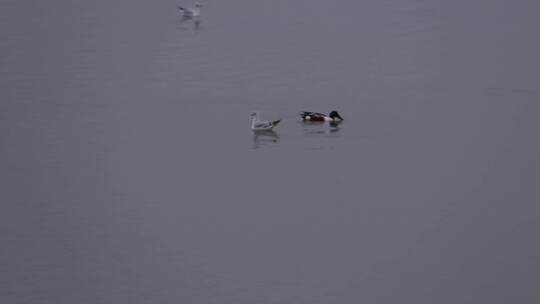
x,y
262,125
193,12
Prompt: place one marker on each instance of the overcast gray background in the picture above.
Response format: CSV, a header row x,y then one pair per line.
x,y
128,172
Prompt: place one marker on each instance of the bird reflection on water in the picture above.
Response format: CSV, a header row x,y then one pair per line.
x,y
334,126
186,22
313,128
263,139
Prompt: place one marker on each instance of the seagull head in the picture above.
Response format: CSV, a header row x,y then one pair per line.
x,y
198,5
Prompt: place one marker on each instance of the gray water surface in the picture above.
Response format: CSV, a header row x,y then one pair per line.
x,y
129,174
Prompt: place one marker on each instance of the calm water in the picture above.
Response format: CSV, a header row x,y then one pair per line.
x,y
129,173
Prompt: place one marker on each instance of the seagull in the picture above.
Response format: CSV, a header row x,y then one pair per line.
x,y
262,125
314,116
191,12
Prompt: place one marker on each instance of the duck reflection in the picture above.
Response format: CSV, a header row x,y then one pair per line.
x,y
265,138
335,126
184,23
320,128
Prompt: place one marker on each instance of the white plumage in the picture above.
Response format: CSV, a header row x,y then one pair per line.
x,y
262,125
